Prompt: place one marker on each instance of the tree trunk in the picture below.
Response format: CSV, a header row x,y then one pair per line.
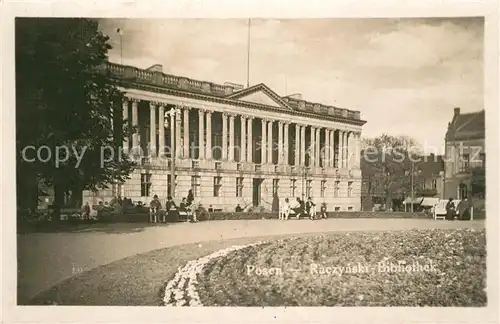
x,y
58,202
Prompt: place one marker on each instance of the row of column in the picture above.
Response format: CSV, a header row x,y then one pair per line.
x,y
348,142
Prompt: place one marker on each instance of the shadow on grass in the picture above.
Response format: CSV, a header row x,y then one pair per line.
x,y
109,228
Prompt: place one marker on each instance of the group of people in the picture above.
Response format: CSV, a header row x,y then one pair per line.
x,y
171,208
463,208
301,208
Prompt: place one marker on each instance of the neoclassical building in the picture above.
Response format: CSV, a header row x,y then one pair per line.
x,y
234,146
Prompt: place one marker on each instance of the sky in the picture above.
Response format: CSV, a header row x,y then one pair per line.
x,y
405,76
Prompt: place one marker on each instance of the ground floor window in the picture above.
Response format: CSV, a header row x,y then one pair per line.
x,y
145,184
239,187
336,189
323,188
275,186
309,188
293,187
462,191
217,186
349,189
195,185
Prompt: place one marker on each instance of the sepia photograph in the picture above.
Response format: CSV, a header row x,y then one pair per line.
x,y
251,162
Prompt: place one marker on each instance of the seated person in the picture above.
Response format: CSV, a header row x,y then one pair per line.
x,y
284,210
298,207
238,209
311,208
171,209
183,205
155,207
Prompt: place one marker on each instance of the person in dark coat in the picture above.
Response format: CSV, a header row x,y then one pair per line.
x,y
190,197
450,210
464,208
171,209
238,209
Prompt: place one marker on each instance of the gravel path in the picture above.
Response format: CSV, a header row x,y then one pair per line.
x,y
45,259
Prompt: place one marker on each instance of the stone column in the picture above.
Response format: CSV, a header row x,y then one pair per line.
x,y
358,156
280,142
250,140
208,152
231,137
326,149
303,145
125,118
340,149
186,133
152,129
173,150
161,130
263,144
224,136
318,146
297,145
243,152
286,141
135,123
201,134
332,148
312,146
178,148
344,148
270,146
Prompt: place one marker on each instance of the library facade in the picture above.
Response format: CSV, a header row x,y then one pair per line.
x,y
232,145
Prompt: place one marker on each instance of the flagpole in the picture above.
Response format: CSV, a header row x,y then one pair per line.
x,y
120,33
248,54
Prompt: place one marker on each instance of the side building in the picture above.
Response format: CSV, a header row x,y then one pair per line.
x,y
465,151
232,145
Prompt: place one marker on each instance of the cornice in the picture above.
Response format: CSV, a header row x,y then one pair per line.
x,y
223,100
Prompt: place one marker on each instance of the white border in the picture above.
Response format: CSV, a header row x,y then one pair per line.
x,y
244,9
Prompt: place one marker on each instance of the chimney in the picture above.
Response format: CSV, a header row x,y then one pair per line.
x,y
296,96
456,111
155,68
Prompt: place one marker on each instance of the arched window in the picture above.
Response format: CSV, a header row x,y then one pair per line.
x,y
462,191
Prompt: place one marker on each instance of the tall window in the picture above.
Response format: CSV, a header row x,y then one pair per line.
x,y
195,185
276,186
217,186
145,184
462,191
464,162
323,188
239,187
349,189
482,156
293,187
336,189
308,188
434,184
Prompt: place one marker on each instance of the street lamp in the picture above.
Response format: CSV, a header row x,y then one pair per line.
x,y
176,112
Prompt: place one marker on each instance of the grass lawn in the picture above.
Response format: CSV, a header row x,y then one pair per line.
x,y
458,255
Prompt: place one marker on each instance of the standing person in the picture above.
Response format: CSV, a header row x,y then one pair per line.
x,y
155,206
323,211
190,197
450,209
86,211
464,209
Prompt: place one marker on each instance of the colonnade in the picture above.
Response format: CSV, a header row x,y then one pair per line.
x,y
347,146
